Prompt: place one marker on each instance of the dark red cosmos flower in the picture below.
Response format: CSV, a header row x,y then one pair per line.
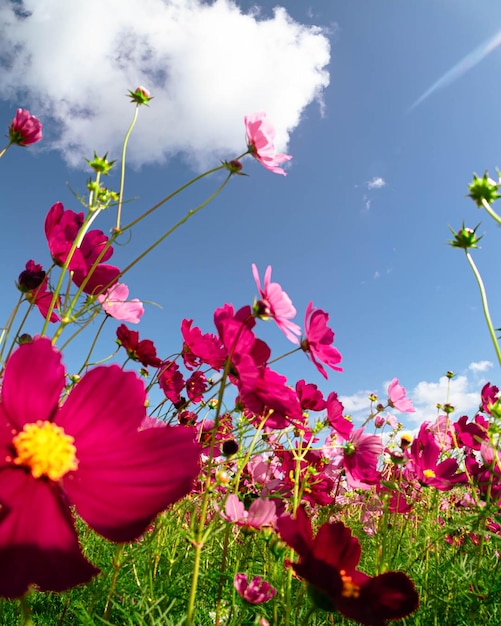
x,y
319,340
143,351
33,282
89,452
328,564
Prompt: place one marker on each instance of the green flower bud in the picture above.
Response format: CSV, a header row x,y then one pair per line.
x,y
483,189
465,237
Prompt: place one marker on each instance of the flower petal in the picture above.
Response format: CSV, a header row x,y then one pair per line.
x,y
105,405
122,485
32,383
38,542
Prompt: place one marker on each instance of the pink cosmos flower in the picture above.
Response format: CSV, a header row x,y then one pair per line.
x,y
115,302
319,340
257,591
261,142
88,452
25,128
275,303
397,399
261,512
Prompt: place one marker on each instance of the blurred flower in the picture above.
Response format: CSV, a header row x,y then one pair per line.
x,y
261,512
256,591
310,396
143,351
328,563
87,451
260,140
319,340
275,303
116,304
25,129
397,399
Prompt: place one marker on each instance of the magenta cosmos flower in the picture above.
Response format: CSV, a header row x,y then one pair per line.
x,y
25,128
319,340
275,303
261,142
87,452
328,562
255,591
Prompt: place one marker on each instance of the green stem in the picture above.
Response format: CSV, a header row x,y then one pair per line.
x,y
190,213
116,568
122,168
7,328
26,619
491,211
485,305
170,196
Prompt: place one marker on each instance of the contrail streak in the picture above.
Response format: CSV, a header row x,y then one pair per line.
x,y
467,63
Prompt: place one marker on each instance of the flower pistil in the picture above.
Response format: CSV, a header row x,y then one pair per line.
x,y
46,450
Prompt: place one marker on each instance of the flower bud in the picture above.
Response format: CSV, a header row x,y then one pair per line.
x,y
140,96
25,129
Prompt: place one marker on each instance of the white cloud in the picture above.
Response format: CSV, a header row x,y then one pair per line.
x,y
376,183
462,392
480,366
207,65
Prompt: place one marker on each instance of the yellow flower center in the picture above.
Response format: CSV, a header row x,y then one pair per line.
x,y
350,589
429,473
46,449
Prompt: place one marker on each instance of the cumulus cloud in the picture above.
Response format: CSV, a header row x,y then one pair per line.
x,y
480,366
207,65
376,183
462,392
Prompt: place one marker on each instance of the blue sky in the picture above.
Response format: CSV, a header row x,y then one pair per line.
x,y
359,225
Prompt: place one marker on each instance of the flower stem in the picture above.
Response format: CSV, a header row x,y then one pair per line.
x,y
122,167
485,305
491,211
190,213
26,619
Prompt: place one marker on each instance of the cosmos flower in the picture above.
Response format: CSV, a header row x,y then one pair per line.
x,y
143,351
319,340
88,452
255,591
115,302
261,512
33,282
261,142
328,562
397,398
275,303
25,129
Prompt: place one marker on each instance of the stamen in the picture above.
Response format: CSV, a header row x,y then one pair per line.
x,y
46,450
